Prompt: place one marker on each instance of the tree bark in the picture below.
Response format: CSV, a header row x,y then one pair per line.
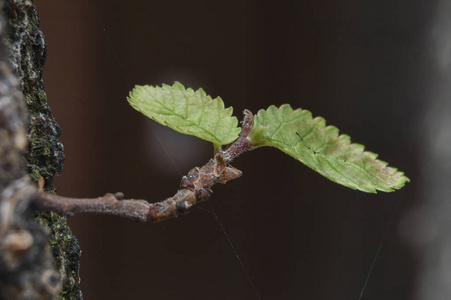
x,y
37,259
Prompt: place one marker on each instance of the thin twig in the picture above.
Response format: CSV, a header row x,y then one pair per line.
x,y
194,187
241,144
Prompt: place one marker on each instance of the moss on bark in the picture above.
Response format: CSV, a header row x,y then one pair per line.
x,y
45,154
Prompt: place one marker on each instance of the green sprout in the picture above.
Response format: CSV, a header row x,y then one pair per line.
x,y
294,132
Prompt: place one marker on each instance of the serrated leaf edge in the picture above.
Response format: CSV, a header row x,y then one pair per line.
x,y
257,132
229,137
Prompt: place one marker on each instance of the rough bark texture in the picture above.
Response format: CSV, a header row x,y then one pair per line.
x,y
27,267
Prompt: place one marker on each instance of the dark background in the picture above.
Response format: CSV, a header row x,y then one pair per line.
x,y
359,64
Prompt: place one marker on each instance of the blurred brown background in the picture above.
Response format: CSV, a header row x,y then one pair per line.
x,y
359,64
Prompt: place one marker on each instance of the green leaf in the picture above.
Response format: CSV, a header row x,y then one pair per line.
x,y
321,148
187,111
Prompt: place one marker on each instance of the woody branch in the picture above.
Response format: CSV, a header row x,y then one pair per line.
x,y
195,187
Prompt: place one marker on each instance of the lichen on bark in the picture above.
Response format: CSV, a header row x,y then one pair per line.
x,y
45,153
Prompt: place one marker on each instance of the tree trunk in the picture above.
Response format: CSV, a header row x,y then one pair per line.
x,y
37,259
